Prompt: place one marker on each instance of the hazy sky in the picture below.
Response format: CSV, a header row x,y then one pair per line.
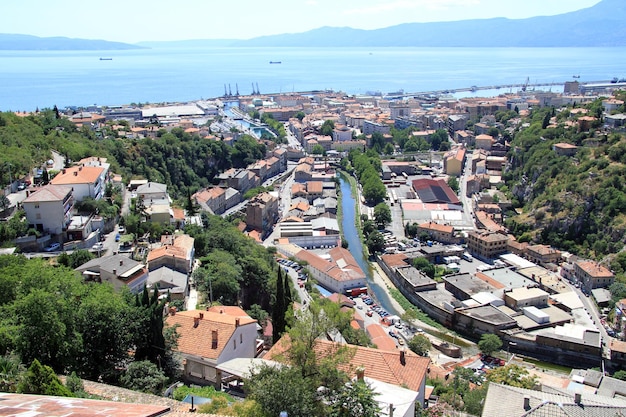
x,y
148,20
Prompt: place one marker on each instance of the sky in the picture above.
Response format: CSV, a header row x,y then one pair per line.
x,y
134,21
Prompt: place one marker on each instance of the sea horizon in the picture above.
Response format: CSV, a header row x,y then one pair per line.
x,y
43,79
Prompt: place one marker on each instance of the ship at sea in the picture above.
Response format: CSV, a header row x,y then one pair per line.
x,y
106,59
275,62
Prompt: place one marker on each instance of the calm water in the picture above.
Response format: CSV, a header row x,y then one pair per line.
x,y
348,207
30,79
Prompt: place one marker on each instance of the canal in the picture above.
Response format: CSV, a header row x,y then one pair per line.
x,y
355,246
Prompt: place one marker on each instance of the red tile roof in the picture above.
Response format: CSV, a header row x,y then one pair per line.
x,y
196,339
77,175
382,365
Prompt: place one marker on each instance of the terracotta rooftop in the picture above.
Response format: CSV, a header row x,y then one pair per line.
x,y
382,365
594,269
48,193
41,405
443,228
77,175
195,339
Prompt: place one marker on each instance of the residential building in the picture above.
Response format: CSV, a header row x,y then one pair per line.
x,y
486,245
49,209
564,149
212,199
484,141
506,400
176,252
400,368
592,275
453,161
518,298
543,254
170,282
338,274
86,181
152,191
262,213
118,270
440,232
209,338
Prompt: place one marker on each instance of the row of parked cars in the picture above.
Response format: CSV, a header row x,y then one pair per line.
x,y
374,308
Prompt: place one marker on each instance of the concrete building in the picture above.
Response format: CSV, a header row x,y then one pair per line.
x,y
518,298
176,252
262,213
543,254
209,338
86,181
439,232
118,270
592,275
453,161
486,245
339,273
49,209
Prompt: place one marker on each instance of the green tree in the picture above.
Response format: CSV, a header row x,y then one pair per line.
x,y
354,400
278,389
75,385
420,344
489,343
11,371
422,264
621,375
41,379
375,242
382,215
453,183
327,128
149,338
318,150
278,310
144,376
514,375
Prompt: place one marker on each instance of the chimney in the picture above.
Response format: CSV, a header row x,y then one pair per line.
x,y
526,402
237,322
172,311
221,311
201,316
196,322
121,262
63,171
360,373
76,173
402,358
577,398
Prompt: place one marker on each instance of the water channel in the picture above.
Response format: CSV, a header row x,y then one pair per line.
x,y
355,246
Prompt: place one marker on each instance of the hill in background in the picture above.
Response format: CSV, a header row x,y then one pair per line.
x,y
13,42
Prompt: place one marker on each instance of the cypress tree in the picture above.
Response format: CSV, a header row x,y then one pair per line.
x,y
278,312
288,299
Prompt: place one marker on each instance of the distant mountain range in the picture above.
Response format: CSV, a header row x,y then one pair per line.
x,y
599,25
33,43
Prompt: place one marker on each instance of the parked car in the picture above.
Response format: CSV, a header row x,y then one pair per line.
x,y
52,247
369,313
98,246
117,237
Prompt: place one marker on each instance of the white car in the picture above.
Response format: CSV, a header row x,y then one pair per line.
x,y
98,246
52,247
121,230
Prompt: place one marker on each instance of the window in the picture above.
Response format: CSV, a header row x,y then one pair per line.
x,y
234,343
38,216
240,338
36,205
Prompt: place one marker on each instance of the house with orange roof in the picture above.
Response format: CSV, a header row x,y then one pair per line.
x,y
338,274
380,337
87,181
176,252
209,338
49,208
397,367
212,199
439,232
484,141
454,160
592,275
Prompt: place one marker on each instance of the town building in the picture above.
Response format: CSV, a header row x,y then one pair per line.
x,y
209,338
339,273
86,181
176,252
486,245
118,270
591,274
49,209
262,213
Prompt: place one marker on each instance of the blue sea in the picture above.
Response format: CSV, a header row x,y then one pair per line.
x,y
31,79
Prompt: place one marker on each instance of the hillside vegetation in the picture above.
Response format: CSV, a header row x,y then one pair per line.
x,y
575,203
